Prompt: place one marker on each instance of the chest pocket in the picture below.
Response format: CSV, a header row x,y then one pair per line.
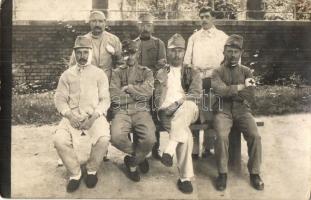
x,y
124,80
139,79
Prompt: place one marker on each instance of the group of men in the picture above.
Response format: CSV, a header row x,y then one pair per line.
x,y
141,84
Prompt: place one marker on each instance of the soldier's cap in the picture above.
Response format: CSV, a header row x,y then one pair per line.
x,y
83,42
97,13
176,41
129,46
205,9
145,18
235,41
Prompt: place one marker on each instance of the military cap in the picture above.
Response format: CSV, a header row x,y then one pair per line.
x,y
98,13
176,41
145,18
83,42
235,41
129,46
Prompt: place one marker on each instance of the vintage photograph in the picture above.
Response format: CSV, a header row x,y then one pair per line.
x,y
161,99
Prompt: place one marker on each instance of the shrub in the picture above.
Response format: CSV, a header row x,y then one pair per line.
x,y
37,109
278,100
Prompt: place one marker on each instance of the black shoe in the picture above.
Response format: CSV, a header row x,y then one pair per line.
x,y
155,152
256,182
207,153
73,184
144,166
185,186
167,160
91,180
221,182
134,176
195,156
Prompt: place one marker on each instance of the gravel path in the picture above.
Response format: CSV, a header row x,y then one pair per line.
x,y
286,168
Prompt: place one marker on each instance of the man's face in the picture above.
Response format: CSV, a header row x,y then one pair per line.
x,y
145,29
176,56
131,58
82,55
232,55
97,24
207,21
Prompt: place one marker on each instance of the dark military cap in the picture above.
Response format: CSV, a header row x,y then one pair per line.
x,y
176,41
145,18
83,42
235,41
129,46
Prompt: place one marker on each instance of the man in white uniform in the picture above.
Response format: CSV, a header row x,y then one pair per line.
x,y
205,52
82,98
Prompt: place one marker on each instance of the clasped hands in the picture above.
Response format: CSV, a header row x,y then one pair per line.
x,y
81,125
171,109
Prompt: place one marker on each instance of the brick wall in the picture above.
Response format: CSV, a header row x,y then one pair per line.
x,y
277,47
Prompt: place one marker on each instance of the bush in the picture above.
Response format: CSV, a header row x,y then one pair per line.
x,y
37,109
278,100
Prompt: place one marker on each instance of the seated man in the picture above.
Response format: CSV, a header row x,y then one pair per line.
x,y
234,84
177,89
131,88
82,98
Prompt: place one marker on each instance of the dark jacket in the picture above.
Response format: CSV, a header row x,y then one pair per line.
x,y
151,52
140,81
224,83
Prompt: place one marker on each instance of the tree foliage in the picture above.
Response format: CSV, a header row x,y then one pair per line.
x,y
288,10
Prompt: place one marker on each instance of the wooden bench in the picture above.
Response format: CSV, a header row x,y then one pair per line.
x,y
234,144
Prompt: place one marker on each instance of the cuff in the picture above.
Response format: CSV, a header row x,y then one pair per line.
x,y
100,113
63,112
130,88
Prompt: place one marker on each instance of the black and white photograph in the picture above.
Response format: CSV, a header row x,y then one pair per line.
x,y
155,99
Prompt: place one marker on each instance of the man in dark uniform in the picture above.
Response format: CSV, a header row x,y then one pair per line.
x,y
235,85
130,90
152,54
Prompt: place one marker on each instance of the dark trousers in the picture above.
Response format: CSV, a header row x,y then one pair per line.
x,y
246,124
141,125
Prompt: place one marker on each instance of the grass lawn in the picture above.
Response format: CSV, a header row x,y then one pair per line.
x,y
39,109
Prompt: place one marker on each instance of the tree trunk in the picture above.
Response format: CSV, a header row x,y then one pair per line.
x,y
254,8
242,15
100,5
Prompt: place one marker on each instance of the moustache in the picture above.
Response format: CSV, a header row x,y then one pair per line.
x,y
82,60
98,27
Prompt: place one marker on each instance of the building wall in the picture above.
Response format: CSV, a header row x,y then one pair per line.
x,y
51,9
280,48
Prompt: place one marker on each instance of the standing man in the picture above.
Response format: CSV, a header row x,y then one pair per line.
x,y
234,83
131,89
106,46
152,54
151,50
177,89
82,98
205,52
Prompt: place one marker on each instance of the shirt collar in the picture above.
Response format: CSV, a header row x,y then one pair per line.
x,y
79,68
210,31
